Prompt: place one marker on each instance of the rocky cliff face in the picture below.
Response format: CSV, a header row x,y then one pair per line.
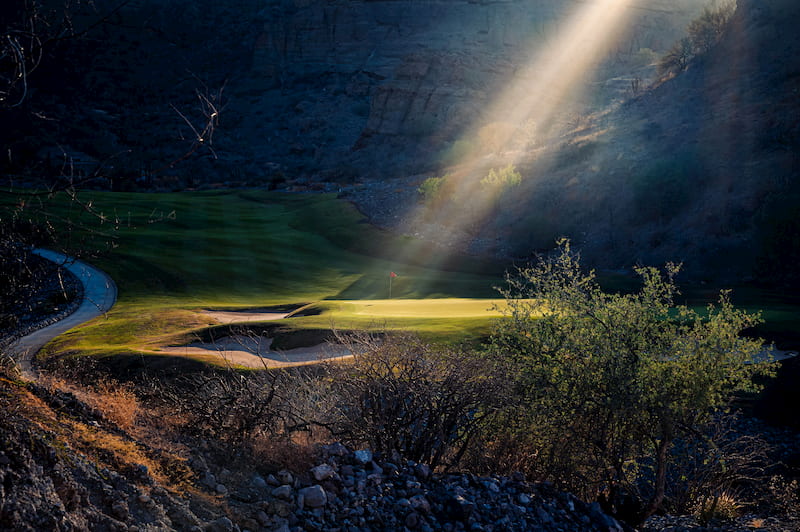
x,y
350,84
328,89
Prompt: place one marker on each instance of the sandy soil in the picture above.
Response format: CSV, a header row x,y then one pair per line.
x,y
257,352
236,316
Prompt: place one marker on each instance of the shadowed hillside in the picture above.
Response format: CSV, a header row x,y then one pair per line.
x,y
701,167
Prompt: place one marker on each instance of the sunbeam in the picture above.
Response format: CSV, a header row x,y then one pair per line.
x,y
539,94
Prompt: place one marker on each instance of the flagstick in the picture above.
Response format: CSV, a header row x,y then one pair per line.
x,y
390,287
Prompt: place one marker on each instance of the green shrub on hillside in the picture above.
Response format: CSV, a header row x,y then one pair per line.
x,y
703,33
707,29
431,189
502,177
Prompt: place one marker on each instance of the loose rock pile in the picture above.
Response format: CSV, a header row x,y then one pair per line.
x,y
355,491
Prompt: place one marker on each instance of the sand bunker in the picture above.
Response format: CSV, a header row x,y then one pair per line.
x,y
236,316
257,353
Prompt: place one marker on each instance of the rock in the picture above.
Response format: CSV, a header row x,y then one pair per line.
x,y
285,477
221,489
363,456
182,517
223,524
209,480
458,508
313,496
272,480
420,503
323,472
258,482
606,522
335,449
413,520
263,518
120,510
282,492
422,471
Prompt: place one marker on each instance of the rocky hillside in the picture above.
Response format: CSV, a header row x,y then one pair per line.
x,y
66,465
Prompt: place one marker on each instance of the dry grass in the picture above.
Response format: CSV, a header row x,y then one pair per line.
x,y
296,455
123,454
112,400
724,505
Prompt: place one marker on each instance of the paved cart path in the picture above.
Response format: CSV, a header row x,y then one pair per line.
x,y
99,295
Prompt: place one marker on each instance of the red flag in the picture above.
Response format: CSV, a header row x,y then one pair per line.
x,y
392,274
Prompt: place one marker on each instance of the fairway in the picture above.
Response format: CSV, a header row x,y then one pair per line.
x,y
174,255
424,308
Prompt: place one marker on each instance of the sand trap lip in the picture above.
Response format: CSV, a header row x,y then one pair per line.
x,y
257,353
244,316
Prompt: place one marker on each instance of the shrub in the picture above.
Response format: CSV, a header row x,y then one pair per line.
x,y
609,382
502,177
431,189
707,29
703,33
230,405
677,58
403,396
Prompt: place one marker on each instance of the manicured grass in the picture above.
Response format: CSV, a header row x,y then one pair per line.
x,y
177,254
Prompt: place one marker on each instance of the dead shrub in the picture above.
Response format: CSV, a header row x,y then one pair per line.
x,y
711,465
230,405
295,454
400,395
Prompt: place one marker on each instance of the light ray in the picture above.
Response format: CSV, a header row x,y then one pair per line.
x,y
540,92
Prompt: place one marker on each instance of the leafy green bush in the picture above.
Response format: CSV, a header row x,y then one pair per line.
x,y
431,189
606,383
502,177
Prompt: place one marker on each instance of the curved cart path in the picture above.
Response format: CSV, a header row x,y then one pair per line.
x,y
99,295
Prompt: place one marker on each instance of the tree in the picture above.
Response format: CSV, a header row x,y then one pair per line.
x,y
678,57
703,33
607,382
707,29
431,189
